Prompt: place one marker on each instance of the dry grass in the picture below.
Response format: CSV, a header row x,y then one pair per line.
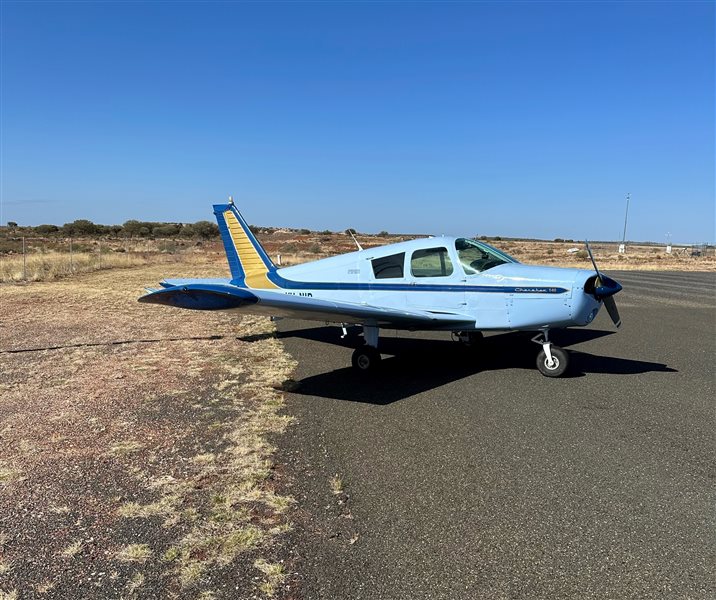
x,y
5,566
336,484
45,587
134,553
126,447
73,549
11,595
43,263
606,256
136,582
178,418
274,576
45,267
9,474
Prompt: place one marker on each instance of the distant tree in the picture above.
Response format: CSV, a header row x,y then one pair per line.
x,y
560,240
304,231
46,229
187,230
350,230
326,232
104,230
206,229
166,230
12,224
80,227
131,228
383,234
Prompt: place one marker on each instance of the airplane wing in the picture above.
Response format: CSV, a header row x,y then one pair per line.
x,y
210,295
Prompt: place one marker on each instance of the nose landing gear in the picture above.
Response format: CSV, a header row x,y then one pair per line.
x,y
552,361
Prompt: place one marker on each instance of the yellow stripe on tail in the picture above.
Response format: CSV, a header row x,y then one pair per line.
x,y
254,268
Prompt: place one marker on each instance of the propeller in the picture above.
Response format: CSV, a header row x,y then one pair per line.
x,y
611,307
604,290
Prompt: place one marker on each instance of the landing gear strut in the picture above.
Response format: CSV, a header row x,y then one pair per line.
x,y
468,338
366,358
552,361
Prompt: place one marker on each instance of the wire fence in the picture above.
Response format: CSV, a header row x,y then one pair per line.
x,y
40,259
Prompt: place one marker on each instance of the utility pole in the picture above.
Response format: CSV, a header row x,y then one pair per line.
x,y
622,246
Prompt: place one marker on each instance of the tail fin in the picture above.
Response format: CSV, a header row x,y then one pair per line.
x,y
248,261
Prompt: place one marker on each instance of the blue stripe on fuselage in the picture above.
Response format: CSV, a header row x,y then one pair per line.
x,y
288,284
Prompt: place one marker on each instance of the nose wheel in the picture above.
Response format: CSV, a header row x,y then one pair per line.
x,y
555,367
552,361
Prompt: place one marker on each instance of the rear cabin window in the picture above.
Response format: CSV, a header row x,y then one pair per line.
x,y
431,262
389,267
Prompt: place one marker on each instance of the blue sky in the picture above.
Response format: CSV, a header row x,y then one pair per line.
x,y
518,119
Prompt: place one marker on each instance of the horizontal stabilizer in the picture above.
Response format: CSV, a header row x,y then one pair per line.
x,y
201,296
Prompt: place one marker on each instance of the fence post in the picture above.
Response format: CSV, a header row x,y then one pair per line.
x,y
72,262
99,246
24,260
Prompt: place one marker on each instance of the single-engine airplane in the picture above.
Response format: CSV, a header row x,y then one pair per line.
x,y
435,283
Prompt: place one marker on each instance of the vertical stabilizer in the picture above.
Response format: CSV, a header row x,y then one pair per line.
x,y
248,261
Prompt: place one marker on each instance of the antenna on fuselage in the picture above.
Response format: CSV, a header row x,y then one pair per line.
x,y
355,240
231,200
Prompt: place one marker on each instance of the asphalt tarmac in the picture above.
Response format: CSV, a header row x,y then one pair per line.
x,y
467,474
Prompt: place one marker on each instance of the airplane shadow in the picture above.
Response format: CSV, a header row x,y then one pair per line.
x,y
416,365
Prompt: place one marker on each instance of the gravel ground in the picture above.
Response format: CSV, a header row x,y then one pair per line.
x,y
134,454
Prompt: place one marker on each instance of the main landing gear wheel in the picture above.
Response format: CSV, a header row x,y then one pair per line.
x,y
366,359
469,339
557,366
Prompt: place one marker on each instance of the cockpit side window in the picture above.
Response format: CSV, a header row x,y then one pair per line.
x,y
476,257
389,267
431,262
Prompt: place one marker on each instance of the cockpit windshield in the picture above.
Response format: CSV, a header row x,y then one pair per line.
x,y
476,257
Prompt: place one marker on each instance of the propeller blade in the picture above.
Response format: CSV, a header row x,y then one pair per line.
x,y
594,263
611,307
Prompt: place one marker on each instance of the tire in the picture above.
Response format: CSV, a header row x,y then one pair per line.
x,y
366,359
560,362
474,338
